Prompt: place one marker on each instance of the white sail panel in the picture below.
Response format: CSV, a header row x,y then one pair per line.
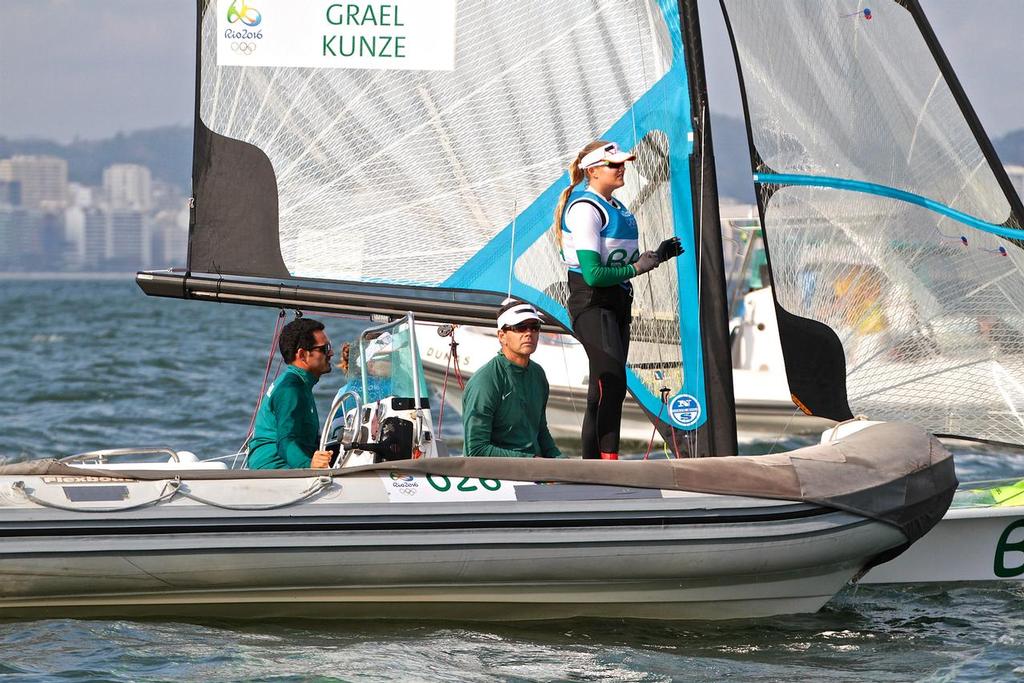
x,y
932,328
831,93
894,245
402,176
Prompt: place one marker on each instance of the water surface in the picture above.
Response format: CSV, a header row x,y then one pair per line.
x,y
95,364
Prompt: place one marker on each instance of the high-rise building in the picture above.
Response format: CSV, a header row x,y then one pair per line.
x,y
169,238
10,193
12,222
127,240
94,239
31,240
43,181
80,195
128,186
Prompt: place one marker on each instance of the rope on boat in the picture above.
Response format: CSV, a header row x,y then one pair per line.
x,y
453,363
175,487
266,376
322,483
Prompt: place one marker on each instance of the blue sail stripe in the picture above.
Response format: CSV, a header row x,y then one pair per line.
x,y
891,193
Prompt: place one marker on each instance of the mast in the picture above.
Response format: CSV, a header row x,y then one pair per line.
x,y
719,435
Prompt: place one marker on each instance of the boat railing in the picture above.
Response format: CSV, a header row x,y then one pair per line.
x,y
102,456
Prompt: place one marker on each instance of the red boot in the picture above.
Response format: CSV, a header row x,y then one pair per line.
x,y
609,456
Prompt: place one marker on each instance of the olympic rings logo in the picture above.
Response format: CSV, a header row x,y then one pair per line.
x,y
244,48
250,16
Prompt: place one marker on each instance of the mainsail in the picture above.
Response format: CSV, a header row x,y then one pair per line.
x,y
894,236
334,170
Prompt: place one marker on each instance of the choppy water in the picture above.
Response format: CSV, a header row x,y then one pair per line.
x,y
87,365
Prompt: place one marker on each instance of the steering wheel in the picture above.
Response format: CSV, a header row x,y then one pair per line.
x,y
345,442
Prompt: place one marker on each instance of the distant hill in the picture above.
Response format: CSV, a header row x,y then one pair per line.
x,y
167,151
1010,147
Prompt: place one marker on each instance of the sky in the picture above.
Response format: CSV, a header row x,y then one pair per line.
x,y
91,68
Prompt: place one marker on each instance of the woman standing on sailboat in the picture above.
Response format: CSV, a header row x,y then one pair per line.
x,y
599,243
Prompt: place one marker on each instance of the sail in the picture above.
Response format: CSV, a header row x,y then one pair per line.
x,y
893,234
334,170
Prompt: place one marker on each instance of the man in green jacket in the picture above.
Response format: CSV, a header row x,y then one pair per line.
x,y
287,429
504,402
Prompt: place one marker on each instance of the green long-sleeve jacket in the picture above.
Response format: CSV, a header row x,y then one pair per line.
x,y
287,428
503,411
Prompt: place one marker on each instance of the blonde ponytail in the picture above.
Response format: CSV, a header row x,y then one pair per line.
x,y
576,176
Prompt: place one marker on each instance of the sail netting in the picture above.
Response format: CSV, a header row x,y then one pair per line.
x,y
446,180
893,236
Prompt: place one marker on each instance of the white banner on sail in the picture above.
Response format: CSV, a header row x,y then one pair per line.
x,y
401,35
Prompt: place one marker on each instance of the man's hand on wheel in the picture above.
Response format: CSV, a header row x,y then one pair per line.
x,y
321,460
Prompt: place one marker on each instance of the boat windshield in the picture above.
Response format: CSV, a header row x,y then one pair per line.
x,y
389,362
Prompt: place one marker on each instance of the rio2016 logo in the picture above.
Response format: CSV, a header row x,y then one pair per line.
x,y
247,14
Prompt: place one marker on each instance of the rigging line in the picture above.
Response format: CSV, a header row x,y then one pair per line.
x,y
890,193
785,430
512,250
266,376
700,233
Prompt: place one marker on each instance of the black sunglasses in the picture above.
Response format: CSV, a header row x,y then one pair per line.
x,y
523,327
324,348
615,165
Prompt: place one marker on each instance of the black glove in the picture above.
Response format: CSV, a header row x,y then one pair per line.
x,y
670,248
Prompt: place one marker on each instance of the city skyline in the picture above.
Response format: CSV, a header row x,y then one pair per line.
x,y
48,223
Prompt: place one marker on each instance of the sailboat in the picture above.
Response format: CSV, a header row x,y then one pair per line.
x,y
896,249
403,166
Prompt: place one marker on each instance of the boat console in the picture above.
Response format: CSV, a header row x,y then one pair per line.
x,y
383,413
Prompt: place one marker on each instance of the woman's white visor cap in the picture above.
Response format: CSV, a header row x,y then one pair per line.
x,y
602,155
518,314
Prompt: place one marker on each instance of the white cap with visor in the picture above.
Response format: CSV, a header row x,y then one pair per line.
x,y
518,314
603,155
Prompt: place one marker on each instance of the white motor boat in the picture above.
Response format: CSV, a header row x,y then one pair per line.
x,y
980,539
465,538
427,183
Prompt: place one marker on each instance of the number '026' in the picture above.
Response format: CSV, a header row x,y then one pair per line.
x,y
440,482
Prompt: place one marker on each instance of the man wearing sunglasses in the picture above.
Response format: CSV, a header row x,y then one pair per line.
x,y
505,400
287,428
